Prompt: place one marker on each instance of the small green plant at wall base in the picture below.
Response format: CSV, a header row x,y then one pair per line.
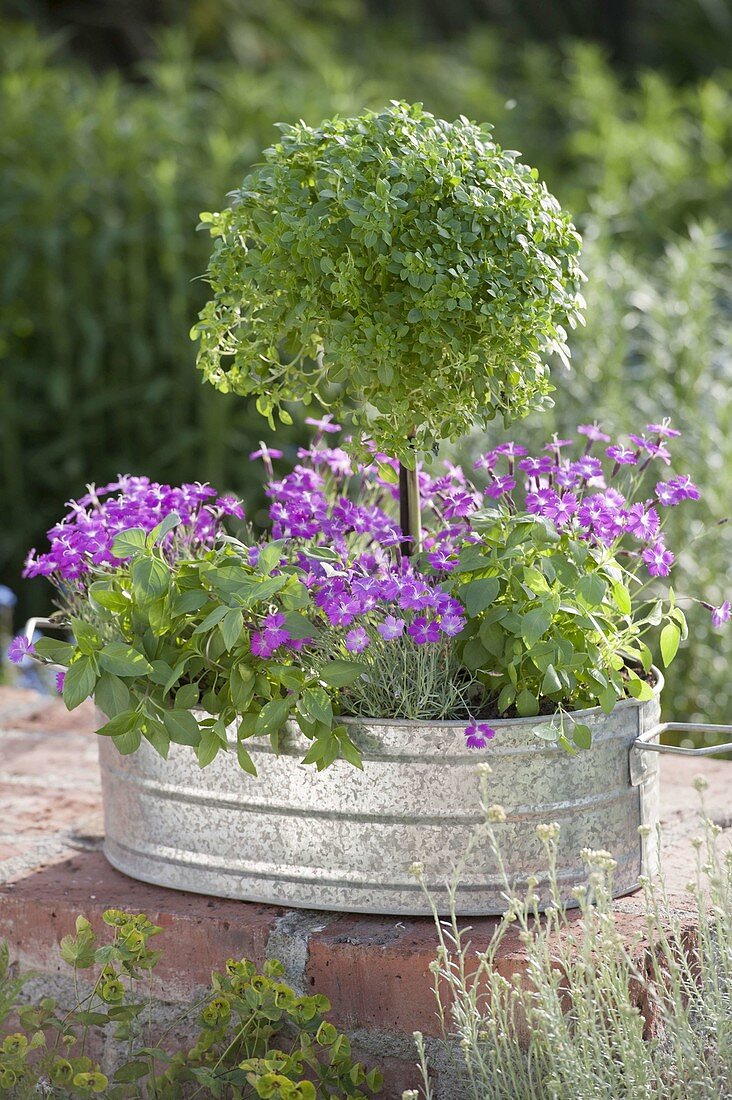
x,y
255,1037
408,260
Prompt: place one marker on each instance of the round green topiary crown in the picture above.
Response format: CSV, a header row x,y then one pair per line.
x,y
404,272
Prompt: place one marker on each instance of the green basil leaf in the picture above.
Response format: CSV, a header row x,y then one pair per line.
x,y
121,723
245,761
212,619
123,660
79,682
186,697
53,650
150,580
231,627
207,748
592,589
272,717
670,638
621,595
108,598
182,727
111,695
128,742
316,705
270,557
340,673
129,544
479,595
581,735
534,625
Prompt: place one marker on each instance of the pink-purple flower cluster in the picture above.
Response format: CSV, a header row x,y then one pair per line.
x,y
575,494
305,507
393,603
85,535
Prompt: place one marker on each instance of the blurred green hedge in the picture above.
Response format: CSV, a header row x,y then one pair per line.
x,y
103,179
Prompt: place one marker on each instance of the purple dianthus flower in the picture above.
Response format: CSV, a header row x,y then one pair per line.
x,y
357,640
272,635
451,624
562,509
642,522
19,649
658,559
684,488
536,466
593,432
478,734
721,614
391,628
423,630
499,486
622,456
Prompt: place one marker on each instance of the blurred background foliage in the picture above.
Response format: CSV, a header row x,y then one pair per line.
x,y
117,128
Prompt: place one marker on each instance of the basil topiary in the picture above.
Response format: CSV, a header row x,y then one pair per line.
x,y
403,271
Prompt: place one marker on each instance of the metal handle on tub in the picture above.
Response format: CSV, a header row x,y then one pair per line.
x,y
646,743
37,623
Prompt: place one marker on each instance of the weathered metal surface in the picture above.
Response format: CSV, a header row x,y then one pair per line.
x,y
345,839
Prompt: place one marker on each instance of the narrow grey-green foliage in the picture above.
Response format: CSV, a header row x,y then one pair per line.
x,y
402,679
596,1016
410,260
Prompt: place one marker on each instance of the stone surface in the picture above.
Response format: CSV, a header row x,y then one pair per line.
x,y
375,970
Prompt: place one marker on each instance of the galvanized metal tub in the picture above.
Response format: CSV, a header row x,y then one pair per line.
x,y
345,839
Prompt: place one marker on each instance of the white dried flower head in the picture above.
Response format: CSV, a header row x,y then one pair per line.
x,y
532,881
599,858
547,832
644,830
496,814
579,893
410,1094
691,887
699,783
434,967
696,842
483,769
417,869
643,880
596,879
715,829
